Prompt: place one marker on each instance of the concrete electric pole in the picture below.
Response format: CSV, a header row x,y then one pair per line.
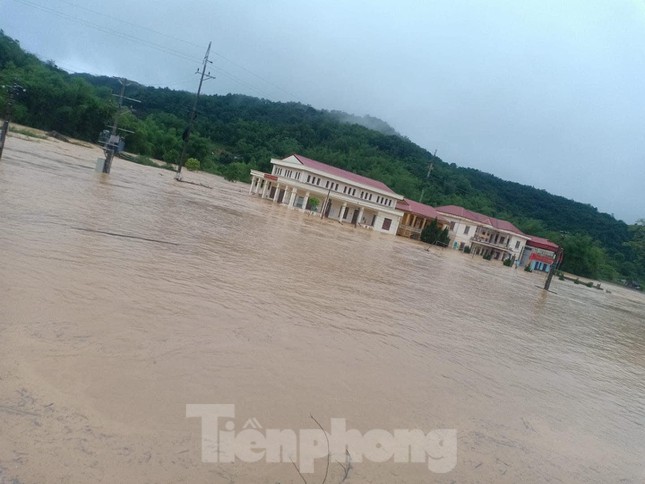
x,y
430,168
186,135
112,143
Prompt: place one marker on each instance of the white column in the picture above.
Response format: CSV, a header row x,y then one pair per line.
x,y
360,217
254,179
342,212
264,190
292,200
277,192
304,202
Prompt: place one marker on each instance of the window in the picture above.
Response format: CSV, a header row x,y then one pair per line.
x,y
386,223
336,187
354,192
452,225
318,181
517,244
308,178
327,184
466,229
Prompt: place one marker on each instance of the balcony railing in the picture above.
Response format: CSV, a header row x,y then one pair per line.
x,y
485,240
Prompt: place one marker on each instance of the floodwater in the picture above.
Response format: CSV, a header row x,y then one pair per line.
x,y
123,298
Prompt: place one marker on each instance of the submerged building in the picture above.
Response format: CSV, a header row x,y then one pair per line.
x,y
483,235
416,217
309,185
540,254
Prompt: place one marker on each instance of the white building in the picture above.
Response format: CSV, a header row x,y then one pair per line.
x,y
341,195
483,235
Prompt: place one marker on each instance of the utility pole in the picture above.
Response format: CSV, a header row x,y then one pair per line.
x,y
430,168
186,135
554,268
14,90
112,143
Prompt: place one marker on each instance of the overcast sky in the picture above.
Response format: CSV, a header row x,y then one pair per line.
x,y
550,93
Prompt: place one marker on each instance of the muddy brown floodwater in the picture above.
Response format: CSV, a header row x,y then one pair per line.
x,y
123,298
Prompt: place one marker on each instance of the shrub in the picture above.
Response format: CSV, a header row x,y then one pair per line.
x,y
508,262
528,269
313,203
467,250
192,164
487,257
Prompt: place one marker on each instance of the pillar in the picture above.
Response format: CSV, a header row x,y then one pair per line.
x,y
360,216
342,212
304,202
292,200
252,185
277,192
264,190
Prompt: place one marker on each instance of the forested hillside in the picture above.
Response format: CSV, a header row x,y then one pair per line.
x,y
235,133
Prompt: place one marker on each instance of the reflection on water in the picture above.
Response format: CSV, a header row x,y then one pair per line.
x,y
125,297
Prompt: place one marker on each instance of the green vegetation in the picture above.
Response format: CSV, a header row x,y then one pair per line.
x,y
312,204
432,234
192,164
235,133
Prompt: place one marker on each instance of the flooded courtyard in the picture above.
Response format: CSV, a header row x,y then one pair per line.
x,y
125,297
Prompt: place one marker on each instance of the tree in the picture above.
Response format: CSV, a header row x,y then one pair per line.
x,y
637,245
431,232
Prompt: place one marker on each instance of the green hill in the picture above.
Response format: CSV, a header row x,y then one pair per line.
x,y
235,133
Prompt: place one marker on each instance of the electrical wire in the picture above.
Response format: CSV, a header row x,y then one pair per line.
x,y
159,47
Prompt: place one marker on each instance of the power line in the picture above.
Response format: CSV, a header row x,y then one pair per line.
x,y
157,46
104,15
255,75
106,30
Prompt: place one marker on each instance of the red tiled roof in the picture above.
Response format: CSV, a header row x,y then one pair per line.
x,y
480,218
421,209
332,170
541,243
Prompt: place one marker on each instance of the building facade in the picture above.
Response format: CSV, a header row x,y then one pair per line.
x,y
309,185
416,216
483,235
540,254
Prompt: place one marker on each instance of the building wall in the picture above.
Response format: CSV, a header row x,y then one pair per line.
x,y
463,231
377,206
